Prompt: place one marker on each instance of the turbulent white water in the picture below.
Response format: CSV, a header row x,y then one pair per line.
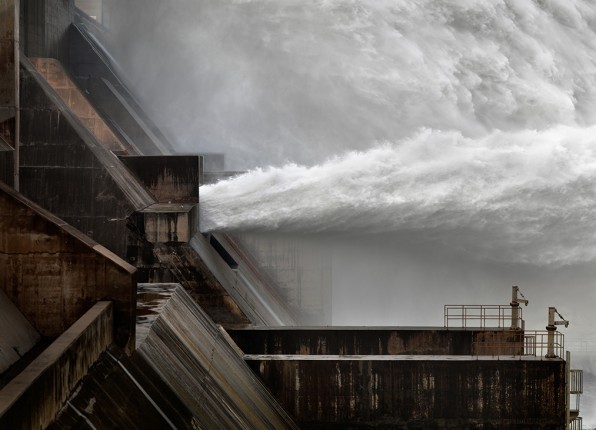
x,y
470,122
523,196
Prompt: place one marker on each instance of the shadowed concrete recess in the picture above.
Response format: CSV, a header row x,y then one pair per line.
x,y
17,335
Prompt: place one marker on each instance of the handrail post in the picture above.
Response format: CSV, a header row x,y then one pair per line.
x,y
515,311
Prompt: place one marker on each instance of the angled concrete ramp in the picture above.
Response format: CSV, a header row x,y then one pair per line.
x,y
185,374
254,293
201,366
69,171
56,76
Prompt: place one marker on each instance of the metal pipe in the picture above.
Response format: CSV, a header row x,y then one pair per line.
x,y
515,311
551,328
550,348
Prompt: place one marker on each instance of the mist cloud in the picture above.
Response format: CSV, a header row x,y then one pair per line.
x,y
272,82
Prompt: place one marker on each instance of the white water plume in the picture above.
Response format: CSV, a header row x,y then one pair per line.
x,y
525,196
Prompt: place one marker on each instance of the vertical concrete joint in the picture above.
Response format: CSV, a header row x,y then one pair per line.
x,y
17,96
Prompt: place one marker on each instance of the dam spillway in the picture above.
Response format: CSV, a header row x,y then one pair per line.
x,y
152,324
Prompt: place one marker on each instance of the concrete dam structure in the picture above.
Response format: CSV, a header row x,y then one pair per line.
x,y
117,312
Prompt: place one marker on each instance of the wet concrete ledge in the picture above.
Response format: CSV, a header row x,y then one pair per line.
x,y
34,397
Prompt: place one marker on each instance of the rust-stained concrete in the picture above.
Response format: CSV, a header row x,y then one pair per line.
x,y
34,397
7,40
167,222
9,89
67,171
170,179
208,374
56,76
438,393
405,377
54,274
377,341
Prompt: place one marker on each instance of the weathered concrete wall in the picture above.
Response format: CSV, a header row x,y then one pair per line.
x,y
44,27
7,57
375,341
58,79
65,169
54,274
164,223
417,394
33,398
6,165
8,73
171,179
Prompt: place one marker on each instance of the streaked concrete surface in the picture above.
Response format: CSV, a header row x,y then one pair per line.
x,y
194,357
54,273
56,76
404,392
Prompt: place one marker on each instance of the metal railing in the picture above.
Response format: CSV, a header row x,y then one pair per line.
x,y
576,424
480,316
536,343
576,381
528,343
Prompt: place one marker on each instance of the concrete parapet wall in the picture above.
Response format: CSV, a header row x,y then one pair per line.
x,y
422,393
54,273
33,398
376,341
